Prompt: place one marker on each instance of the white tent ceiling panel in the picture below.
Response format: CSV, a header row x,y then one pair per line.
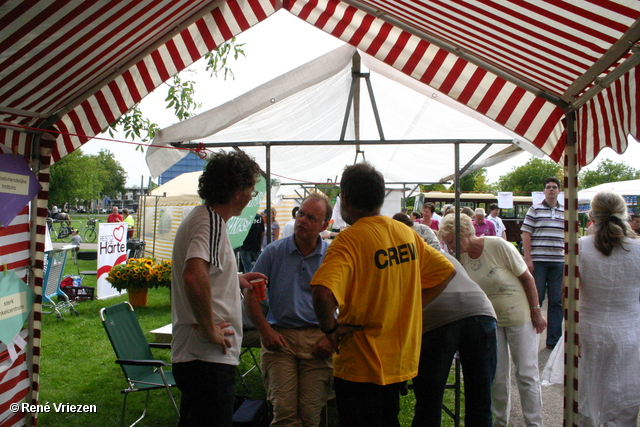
x,y
309,104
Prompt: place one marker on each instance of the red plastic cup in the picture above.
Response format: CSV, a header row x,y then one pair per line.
x,y
259,289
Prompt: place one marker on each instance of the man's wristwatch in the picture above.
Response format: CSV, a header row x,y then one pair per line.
x,y
332,330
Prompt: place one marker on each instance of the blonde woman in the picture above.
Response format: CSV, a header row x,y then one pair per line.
x,y
609,363
495,265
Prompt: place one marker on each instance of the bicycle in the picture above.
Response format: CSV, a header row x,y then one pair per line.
x,y
62,233
91,233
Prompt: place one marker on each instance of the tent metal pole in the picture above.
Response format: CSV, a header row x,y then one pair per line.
x,y
456,184
341,142
269,218
571,227
355,76
352,90
374,106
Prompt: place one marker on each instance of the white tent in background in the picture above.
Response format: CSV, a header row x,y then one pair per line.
x,y
310,103
630,190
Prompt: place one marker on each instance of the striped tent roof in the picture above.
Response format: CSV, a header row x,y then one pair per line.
x,y
75,66
71,67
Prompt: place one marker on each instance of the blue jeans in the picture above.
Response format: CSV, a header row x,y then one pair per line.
x,y
367,404
548,277
248,258
475,340
208,391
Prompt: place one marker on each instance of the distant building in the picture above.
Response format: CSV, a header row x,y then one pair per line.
x,y
190,163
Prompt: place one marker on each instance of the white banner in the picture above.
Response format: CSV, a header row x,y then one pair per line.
x,y
112,250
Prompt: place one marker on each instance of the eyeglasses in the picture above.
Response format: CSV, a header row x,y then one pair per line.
x,y
254,193
310,218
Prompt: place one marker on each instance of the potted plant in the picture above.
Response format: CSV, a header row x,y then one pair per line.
x,y
138,275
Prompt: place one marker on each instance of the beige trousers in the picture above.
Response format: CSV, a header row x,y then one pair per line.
x,y
298,385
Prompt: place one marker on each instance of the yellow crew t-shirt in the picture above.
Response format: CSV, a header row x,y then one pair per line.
x,y
376,270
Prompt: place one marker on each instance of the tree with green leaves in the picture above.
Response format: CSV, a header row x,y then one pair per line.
x,y
607,171
180,95
78,177
475,182
530,176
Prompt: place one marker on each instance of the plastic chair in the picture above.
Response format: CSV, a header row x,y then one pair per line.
x,y
133,352
86,256
54,269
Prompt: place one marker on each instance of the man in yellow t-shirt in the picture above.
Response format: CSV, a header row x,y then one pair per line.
x,y
379,274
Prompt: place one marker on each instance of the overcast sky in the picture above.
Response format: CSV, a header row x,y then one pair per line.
x,y
264,61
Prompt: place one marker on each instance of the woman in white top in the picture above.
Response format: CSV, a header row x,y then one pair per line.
x,y
609,328
495,265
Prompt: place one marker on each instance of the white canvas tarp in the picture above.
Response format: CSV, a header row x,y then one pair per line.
x,y
309,104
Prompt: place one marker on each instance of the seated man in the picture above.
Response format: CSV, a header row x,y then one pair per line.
x,y
296,354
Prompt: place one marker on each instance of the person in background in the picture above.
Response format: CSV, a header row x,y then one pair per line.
x,y
75,241
423,231
336,218
497,266
447,209
501,230
206,307
543,244
482,226
296,354
252,245
126,217
379,275
609,356
461,319
634,223
287,230
114,216
416,217
467,211
274,228
428,209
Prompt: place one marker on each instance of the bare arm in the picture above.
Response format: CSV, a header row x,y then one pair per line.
x,y
325,305
430,294
276,234
198,292
526,245
530,290
271,339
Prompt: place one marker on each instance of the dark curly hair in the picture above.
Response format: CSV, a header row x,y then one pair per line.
x,y
224,174
363,186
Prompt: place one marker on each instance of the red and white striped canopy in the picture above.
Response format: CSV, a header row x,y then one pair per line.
x,y
75,66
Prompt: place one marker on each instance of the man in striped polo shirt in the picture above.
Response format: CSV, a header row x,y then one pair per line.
x,y
543,243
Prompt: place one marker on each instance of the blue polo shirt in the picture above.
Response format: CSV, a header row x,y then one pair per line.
x,y
289,290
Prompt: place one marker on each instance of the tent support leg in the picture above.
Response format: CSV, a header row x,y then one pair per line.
x,y
571,276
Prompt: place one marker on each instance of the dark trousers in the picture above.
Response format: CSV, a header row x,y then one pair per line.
x,y
367,404
207,393
475,340
548,277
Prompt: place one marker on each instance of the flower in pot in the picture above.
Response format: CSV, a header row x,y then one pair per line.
x,y
140,274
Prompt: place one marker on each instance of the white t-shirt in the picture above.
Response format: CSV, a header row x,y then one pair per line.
x,y
498,224
496,271
287,230
203,234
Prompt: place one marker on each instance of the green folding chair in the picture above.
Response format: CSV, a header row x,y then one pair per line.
x,y
133,352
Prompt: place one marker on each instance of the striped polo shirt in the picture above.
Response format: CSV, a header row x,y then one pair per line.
x,y
546,226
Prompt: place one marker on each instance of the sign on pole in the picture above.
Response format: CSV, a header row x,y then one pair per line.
x,y
112,250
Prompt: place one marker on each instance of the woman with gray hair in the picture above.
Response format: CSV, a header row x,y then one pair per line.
x,y
609,362
461,319
495,265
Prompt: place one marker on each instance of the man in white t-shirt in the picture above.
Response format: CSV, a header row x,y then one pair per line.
x,y
206,303
501,230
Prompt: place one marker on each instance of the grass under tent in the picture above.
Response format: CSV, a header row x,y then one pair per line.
x,y
78,367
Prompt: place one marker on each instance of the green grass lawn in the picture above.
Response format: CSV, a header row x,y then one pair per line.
x,y
77,367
